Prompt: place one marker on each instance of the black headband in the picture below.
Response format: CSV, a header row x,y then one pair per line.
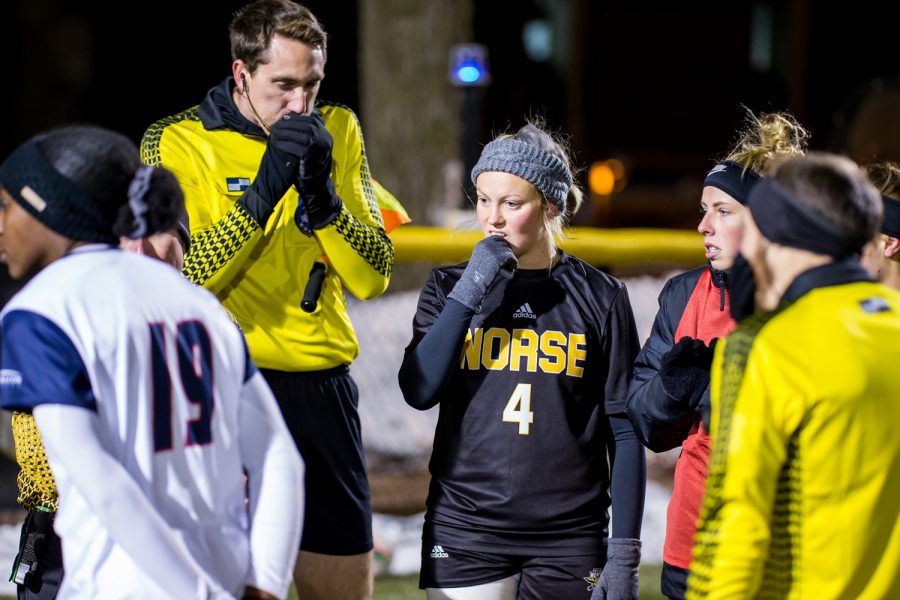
x,y
54,200
890,224
782,219
731,178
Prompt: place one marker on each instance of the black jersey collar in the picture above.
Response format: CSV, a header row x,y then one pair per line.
x,y
218,111
835,273
531,274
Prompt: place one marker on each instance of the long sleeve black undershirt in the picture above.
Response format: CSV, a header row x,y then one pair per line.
x,y
628,478
427,365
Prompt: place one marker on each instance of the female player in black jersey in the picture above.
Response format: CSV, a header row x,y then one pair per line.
x,y
528,351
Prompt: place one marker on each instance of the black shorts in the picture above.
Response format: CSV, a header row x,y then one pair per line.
x,y
320,409
541,576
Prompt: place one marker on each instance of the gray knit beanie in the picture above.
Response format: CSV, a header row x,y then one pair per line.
x,y
543,169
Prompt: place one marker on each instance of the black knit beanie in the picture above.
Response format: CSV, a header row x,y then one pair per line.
x,y
54,200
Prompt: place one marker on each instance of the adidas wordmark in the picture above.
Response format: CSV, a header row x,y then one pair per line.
x,y
524,312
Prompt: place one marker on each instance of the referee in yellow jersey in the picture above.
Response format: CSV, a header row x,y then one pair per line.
x,y
278,191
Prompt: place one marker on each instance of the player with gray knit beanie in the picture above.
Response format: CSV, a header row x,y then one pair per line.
x,y
528,352
526,155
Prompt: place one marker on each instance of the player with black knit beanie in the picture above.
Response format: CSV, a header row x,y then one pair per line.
x,y
38,569
148,406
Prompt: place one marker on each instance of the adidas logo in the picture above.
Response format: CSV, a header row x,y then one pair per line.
x,y
438,552
524,312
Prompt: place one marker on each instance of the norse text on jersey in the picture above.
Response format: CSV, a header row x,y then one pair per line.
x,y
550,351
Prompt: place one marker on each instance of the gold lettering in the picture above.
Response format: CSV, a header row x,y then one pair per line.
x,y
556,354
498,348
471,350
524,345
487,349
577,342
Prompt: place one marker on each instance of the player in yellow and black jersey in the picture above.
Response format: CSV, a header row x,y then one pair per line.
x,y
803,493
278,192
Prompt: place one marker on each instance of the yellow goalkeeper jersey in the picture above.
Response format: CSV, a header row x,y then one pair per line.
x,y
35,481
260,275
803,494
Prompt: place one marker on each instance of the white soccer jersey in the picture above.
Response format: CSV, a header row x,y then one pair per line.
x,y
168,375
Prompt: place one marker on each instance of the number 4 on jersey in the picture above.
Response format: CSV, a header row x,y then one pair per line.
x,y
521,398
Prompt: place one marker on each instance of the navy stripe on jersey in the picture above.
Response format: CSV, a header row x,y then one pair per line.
x,y
40,365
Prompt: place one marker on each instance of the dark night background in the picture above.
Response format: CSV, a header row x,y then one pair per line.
x,y
660,82
657,85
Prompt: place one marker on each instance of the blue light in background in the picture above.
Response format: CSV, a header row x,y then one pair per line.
x,y
468,73
468,66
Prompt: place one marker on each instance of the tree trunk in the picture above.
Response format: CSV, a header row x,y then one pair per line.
x,y
410,112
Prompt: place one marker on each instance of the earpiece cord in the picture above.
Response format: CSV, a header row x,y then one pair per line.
x,y
246,91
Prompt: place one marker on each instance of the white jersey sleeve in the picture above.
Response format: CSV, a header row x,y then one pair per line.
x,y
71,441
275,476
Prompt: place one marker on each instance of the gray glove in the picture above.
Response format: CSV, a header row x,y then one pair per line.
x,y
619,578
491,256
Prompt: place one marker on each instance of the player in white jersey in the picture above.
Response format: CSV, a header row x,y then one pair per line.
x,y
141,386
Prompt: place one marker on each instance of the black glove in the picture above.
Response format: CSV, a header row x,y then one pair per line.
x,y
491,256
705,409
278,167
684,370
319,201
33,545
